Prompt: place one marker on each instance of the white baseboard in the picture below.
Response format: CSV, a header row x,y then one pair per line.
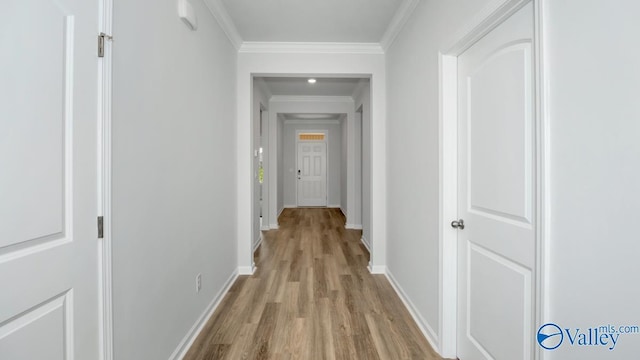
x,y
336,206
377,269
353,226
290,207
195,330
365,242
343,212
276,226
427,330
265,228
257,244
246,270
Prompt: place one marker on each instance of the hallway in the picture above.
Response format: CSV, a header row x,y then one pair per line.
x,y
311,297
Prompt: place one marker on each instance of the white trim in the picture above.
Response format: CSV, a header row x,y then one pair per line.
x,y
319,99
265,228
311,122
246,270
448,202
353,226
225,21
276,226
288,207
334,206
424,326
398,22
485,21
195,330
365,242
270,47
105,261
326,160
543,179
377,269
258,243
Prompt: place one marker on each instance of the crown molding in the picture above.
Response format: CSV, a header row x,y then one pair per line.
x,y
221,15
312,121
311,47
321,99
397,23
219,12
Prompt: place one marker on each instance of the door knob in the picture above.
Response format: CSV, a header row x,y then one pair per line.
x,y
457,224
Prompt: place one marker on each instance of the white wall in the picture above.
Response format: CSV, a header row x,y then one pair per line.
x,y
334,151
280,168
174,172
592,84
362,98
307,61
344,165
413,153
593,79
356,211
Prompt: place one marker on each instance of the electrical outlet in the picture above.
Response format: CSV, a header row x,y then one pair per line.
x,y
198,282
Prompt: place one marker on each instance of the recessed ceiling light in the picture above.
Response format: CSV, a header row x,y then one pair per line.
x,y
311,81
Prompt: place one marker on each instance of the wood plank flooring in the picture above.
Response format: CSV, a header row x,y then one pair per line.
x,y
311,297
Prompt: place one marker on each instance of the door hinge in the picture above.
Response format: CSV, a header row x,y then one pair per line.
x,y
100,227
101,37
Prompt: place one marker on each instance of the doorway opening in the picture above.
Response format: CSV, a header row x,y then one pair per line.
x,y
499,57
330,173
311,174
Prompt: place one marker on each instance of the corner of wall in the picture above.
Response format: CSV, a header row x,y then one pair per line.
x,y
197,327
397,23
221,15
425,327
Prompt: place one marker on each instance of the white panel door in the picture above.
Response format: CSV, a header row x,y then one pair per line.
x,y
496,193
48,180
312,173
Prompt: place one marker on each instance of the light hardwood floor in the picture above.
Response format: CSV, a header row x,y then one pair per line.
x,y
311,297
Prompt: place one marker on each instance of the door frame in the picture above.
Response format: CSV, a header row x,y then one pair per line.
x,y
259,127
264,138
105,261
358,122
326,160
495,13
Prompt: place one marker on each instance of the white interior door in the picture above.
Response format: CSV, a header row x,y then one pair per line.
x,y
48,180
312,173
496,193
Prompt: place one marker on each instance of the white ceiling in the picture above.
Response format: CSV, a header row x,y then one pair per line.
x,y
316,117
296,86
352,21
